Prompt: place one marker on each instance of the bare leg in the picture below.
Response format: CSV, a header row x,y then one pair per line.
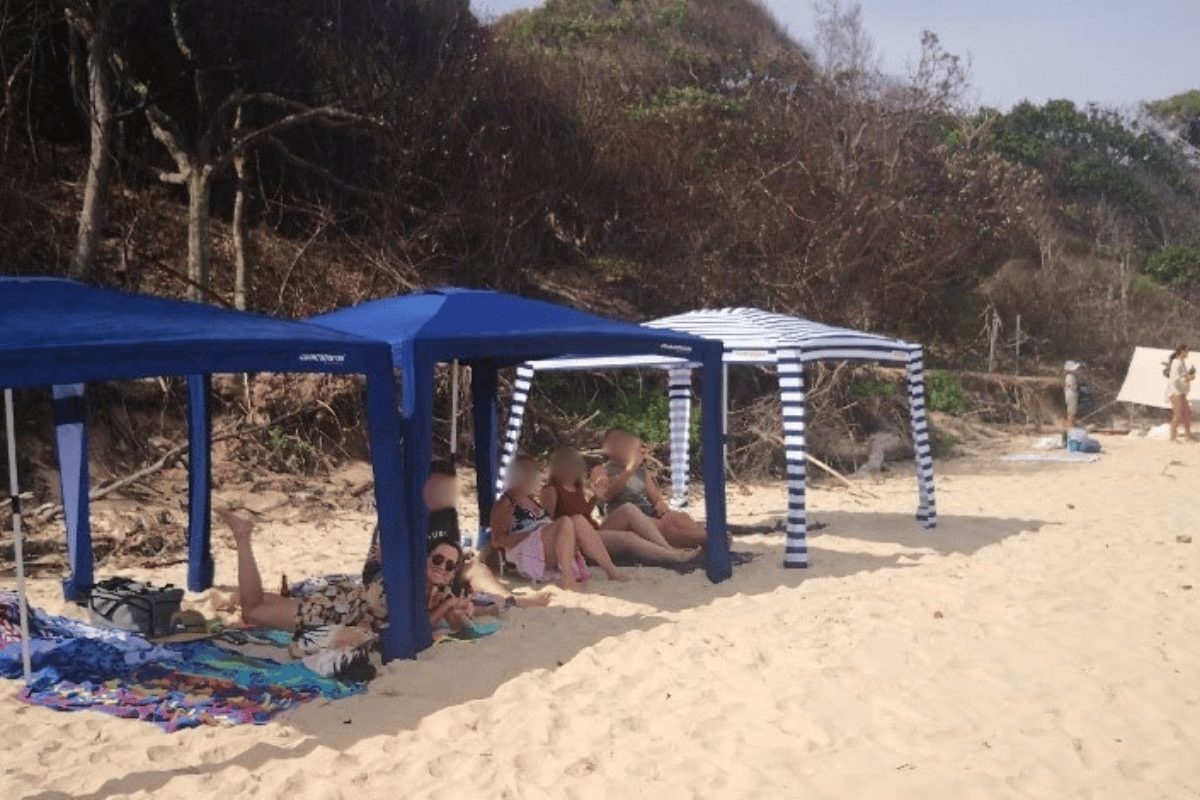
x,y
1177,401
593,547
631,518
1187,417
558,539
258,607
482,579
681,530
628,542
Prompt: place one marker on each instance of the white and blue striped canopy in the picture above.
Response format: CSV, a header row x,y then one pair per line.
x,y
753,336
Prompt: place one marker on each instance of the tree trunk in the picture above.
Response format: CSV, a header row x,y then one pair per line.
x,y
199,185
91,216
242,275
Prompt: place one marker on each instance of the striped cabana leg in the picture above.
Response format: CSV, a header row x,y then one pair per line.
x,y
927,509
681,416
516,418
791,393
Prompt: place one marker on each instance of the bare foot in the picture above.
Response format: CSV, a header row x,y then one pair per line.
x,y
539,600
618,576
240,527
688,555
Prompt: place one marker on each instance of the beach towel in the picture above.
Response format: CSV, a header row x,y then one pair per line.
x,y
476,630
177,685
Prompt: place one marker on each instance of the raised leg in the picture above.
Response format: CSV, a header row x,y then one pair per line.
x,y
629,517
258,607
680,530
593,547
558,539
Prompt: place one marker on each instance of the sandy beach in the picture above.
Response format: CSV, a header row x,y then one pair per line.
x,y
1044,642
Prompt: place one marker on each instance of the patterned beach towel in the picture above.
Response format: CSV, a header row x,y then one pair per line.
x,y
179,685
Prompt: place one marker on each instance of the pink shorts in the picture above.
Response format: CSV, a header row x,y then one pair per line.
x,y
530,558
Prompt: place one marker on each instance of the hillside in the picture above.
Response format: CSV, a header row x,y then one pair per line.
x,y
638,157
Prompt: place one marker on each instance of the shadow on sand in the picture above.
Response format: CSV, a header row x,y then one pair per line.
x,y
546,639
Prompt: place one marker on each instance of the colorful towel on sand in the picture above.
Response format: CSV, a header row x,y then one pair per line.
x,y
179,685
476,630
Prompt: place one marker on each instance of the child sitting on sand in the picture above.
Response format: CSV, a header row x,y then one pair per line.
x,y
541,547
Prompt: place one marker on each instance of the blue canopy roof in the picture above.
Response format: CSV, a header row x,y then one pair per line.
x,y
58,331
489,330
464,324
61,333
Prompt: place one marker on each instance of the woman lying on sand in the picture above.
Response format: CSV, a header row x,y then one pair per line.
x,y
625,531
334,622
541,547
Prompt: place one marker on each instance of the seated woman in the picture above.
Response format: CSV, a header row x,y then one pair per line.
x,y
447,611
623,480
441,498
541,547
626,531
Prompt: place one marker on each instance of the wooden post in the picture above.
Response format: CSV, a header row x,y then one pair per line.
x,y
1017,361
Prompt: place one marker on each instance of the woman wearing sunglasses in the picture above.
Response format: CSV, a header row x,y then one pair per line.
x,y
447,612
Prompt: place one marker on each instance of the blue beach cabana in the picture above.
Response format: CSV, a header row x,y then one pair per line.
x,y
65,334
490,330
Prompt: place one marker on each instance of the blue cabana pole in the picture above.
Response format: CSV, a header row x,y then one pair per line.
x,y
484,384
408,630
200,560
418,384
70,412
713,441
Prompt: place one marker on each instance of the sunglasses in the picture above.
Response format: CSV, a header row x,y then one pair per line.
x,y
439,560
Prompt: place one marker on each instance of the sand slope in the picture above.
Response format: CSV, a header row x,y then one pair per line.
x,y
1043,642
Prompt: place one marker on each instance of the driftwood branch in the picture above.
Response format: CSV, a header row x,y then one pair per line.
x,y
851,484
168,458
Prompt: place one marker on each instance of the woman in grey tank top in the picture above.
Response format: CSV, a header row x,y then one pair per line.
x,y
624,480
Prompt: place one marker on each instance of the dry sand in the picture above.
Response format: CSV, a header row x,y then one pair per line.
x,y
1044,641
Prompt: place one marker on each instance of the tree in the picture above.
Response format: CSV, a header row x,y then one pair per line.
x,y
183,63
844,50
90,22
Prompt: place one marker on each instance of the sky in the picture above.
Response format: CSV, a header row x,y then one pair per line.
x,y
1112,52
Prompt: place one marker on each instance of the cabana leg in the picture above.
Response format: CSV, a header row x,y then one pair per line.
x,y
681,417
70,413
927,507
720,566
516,420
200,558
484,382
18,535
791,390
402,547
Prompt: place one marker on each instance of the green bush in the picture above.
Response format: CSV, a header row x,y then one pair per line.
x,y
640,406
945,393
1174,266
869,388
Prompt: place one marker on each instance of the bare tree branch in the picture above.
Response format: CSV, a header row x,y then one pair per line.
x,y
320,171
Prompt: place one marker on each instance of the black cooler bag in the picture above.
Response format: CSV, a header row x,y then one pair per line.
x,y
130,605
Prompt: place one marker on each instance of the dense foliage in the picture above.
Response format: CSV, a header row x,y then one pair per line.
x,y
640,156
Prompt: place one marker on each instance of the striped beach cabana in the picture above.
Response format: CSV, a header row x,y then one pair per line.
x,y
752,336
